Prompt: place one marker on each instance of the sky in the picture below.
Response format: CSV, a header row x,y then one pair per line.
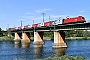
x,y
13,11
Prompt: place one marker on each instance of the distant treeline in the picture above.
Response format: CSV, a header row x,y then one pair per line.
x,y
70,33
2,33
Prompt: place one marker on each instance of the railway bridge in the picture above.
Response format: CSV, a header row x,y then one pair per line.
x,y
59,35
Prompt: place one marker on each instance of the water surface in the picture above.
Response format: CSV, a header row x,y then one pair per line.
x,y
10,51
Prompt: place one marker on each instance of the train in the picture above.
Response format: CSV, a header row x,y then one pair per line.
x,y
78,19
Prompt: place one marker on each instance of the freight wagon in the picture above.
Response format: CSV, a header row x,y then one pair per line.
x,y
27,26
49,23
19,28
34,25
13,29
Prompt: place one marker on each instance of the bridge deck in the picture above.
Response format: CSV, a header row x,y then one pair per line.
x,y
76,26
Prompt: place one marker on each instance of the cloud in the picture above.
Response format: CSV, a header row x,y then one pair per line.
x,y
40,11
21,20
28,13
81,11
32,18
54,17
28,17
39,18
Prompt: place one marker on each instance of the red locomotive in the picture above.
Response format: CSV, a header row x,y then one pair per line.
x,y
78,19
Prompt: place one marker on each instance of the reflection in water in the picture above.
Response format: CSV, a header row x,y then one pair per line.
x,y
25,51
17,41
25,45
59,51
17,45
37,51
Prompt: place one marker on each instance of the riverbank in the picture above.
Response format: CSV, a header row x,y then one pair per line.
x,y
48,38
77,38
64,58
68,38
6,38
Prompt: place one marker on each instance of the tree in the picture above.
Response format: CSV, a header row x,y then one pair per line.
x,y
85,34
1,32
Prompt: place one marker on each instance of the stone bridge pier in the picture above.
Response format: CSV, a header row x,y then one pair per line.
x,y
25,39
59,37
38,39
17,38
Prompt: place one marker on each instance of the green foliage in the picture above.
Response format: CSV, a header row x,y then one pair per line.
x,y
70,33
77,33
85,34
1,33
31,34
49,34
6,38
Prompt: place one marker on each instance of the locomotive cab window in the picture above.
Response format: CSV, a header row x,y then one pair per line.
x,y
83,18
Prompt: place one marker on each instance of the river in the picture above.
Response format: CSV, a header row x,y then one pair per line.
x,y
10,51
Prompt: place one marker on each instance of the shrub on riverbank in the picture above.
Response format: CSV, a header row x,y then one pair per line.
x,y
6,38
64,58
